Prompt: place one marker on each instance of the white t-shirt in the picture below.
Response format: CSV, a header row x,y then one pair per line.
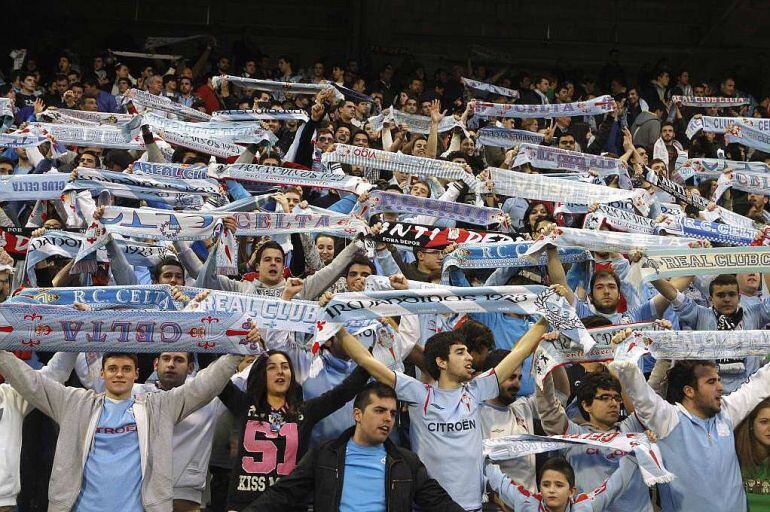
x,y
446,432
517,418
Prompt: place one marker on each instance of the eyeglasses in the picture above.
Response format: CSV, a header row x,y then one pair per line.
x,y
607,398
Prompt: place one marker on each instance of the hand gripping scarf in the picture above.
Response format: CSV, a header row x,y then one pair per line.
x,y
595,106
398,162
542,188
380,202
709,101
663,263
289,176
647,454
525,300
152,102
61,329
260,114
505,138
680,345
276,87
496,89
559,352
415,123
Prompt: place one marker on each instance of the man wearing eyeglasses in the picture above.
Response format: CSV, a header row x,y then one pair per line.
x,y
599,400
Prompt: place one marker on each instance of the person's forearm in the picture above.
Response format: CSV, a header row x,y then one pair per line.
x,y
431,149
363,358
187,257
122,271
552,416
523,348
556,272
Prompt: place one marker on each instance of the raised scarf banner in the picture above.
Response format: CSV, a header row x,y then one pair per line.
x,y
705,230
155,296
744,181
714,167
152,43
647,454
145,55
276,87
607,241
20,140
679,345
246,133
415,123
754,134
664,263
66,115
153,102
262,223
380,202
62,329
260,114
287,176
33,187
187,193
6,113
548,157
552,354
432,237
496,89
68,245
203,144
712,124
171,171
697,201
543,188
507,255
397,162
592,107
507,138
96,136
709,101
525,300
619,220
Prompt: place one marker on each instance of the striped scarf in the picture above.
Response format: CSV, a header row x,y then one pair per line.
x,y
709,101
276,87
415,123
380,202
260,114
163,104
505,138
289,176
496,89
592,107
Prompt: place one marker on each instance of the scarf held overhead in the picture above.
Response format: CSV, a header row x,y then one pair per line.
x,y
595,106
381,202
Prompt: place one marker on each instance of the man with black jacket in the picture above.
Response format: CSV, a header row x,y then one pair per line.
x,y
342,474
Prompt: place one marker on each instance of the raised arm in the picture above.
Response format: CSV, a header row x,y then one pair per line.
x,y
316,284
552,415
199,391
742,401
435,118
524,347
556,273
363,358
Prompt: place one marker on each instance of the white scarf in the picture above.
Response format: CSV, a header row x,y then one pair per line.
x,y
595,106
289,176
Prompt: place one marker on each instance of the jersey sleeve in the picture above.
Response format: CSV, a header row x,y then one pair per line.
x,y
411,390
485,386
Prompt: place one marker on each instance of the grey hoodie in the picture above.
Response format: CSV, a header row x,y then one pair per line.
x,y
77,413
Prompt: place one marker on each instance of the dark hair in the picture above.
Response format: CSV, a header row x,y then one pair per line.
x,y
593,321
90,79
494,358
189,355
256,384
287,59
25,74
270,244
378,389
603,273
127,355
4,160
529,209
683,374
666,123
359,259
93,154
438,345
166,261
560,465
476,335
590,384
722,280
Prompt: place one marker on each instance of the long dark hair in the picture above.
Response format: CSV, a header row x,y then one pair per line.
x,y
256,384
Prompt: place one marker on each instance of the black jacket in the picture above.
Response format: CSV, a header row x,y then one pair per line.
x,y
322,470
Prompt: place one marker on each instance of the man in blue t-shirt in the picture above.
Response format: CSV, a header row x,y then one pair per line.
x,y
362,470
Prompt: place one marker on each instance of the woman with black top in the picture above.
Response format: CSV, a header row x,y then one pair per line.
x,y
275,423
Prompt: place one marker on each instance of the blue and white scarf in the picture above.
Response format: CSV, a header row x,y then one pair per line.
x,y
245,133
619,220
507,255
277,87
744,181
20,140
525,300
95,136
33,187
289,176
398,162
682,345
722,124
67,116
664,263
547,157
152,297
496,89
171,171
380,202
163,104
62,329
260,114
754,133
592,107
709,101
505,138
714,167
607,241
415,123
705,230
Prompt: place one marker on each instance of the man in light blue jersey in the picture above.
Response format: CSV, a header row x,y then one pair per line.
x,y
446,428
695,432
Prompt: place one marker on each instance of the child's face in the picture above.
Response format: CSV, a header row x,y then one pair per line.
x,y
555,489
